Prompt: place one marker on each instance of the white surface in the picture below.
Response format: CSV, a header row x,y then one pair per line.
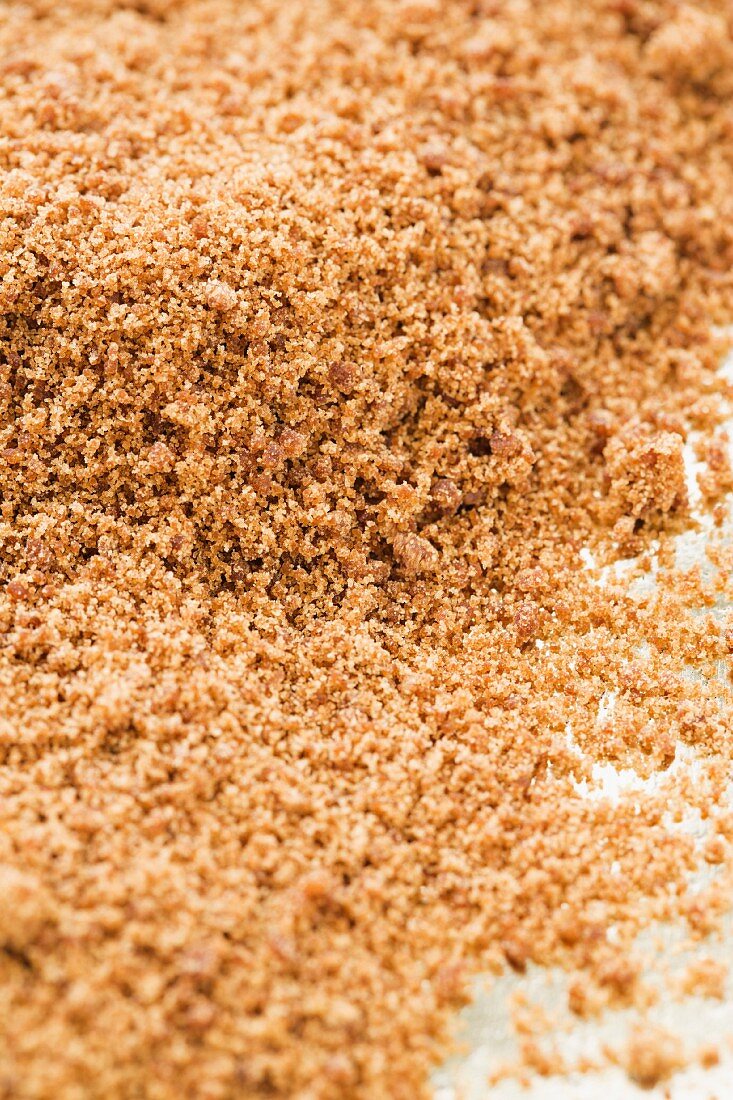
x,y
485,1025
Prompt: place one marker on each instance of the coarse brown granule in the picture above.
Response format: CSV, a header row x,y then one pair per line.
x,y
653,1055
716,478
709,1056
706,977
331,333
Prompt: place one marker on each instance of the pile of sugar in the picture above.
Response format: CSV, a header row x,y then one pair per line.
x,y
331,333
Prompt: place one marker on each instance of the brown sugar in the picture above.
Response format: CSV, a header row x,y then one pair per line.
x,y
332,334
653,1056
716,478
646,473
706,977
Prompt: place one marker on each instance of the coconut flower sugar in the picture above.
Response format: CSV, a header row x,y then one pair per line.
x,y
336,339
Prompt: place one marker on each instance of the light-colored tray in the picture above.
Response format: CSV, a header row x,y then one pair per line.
x,y
485,1029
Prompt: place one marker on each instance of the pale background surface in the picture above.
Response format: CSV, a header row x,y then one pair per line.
x,y
485,1025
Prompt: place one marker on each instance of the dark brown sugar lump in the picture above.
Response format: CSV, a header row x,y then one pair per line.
x,y
331,333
